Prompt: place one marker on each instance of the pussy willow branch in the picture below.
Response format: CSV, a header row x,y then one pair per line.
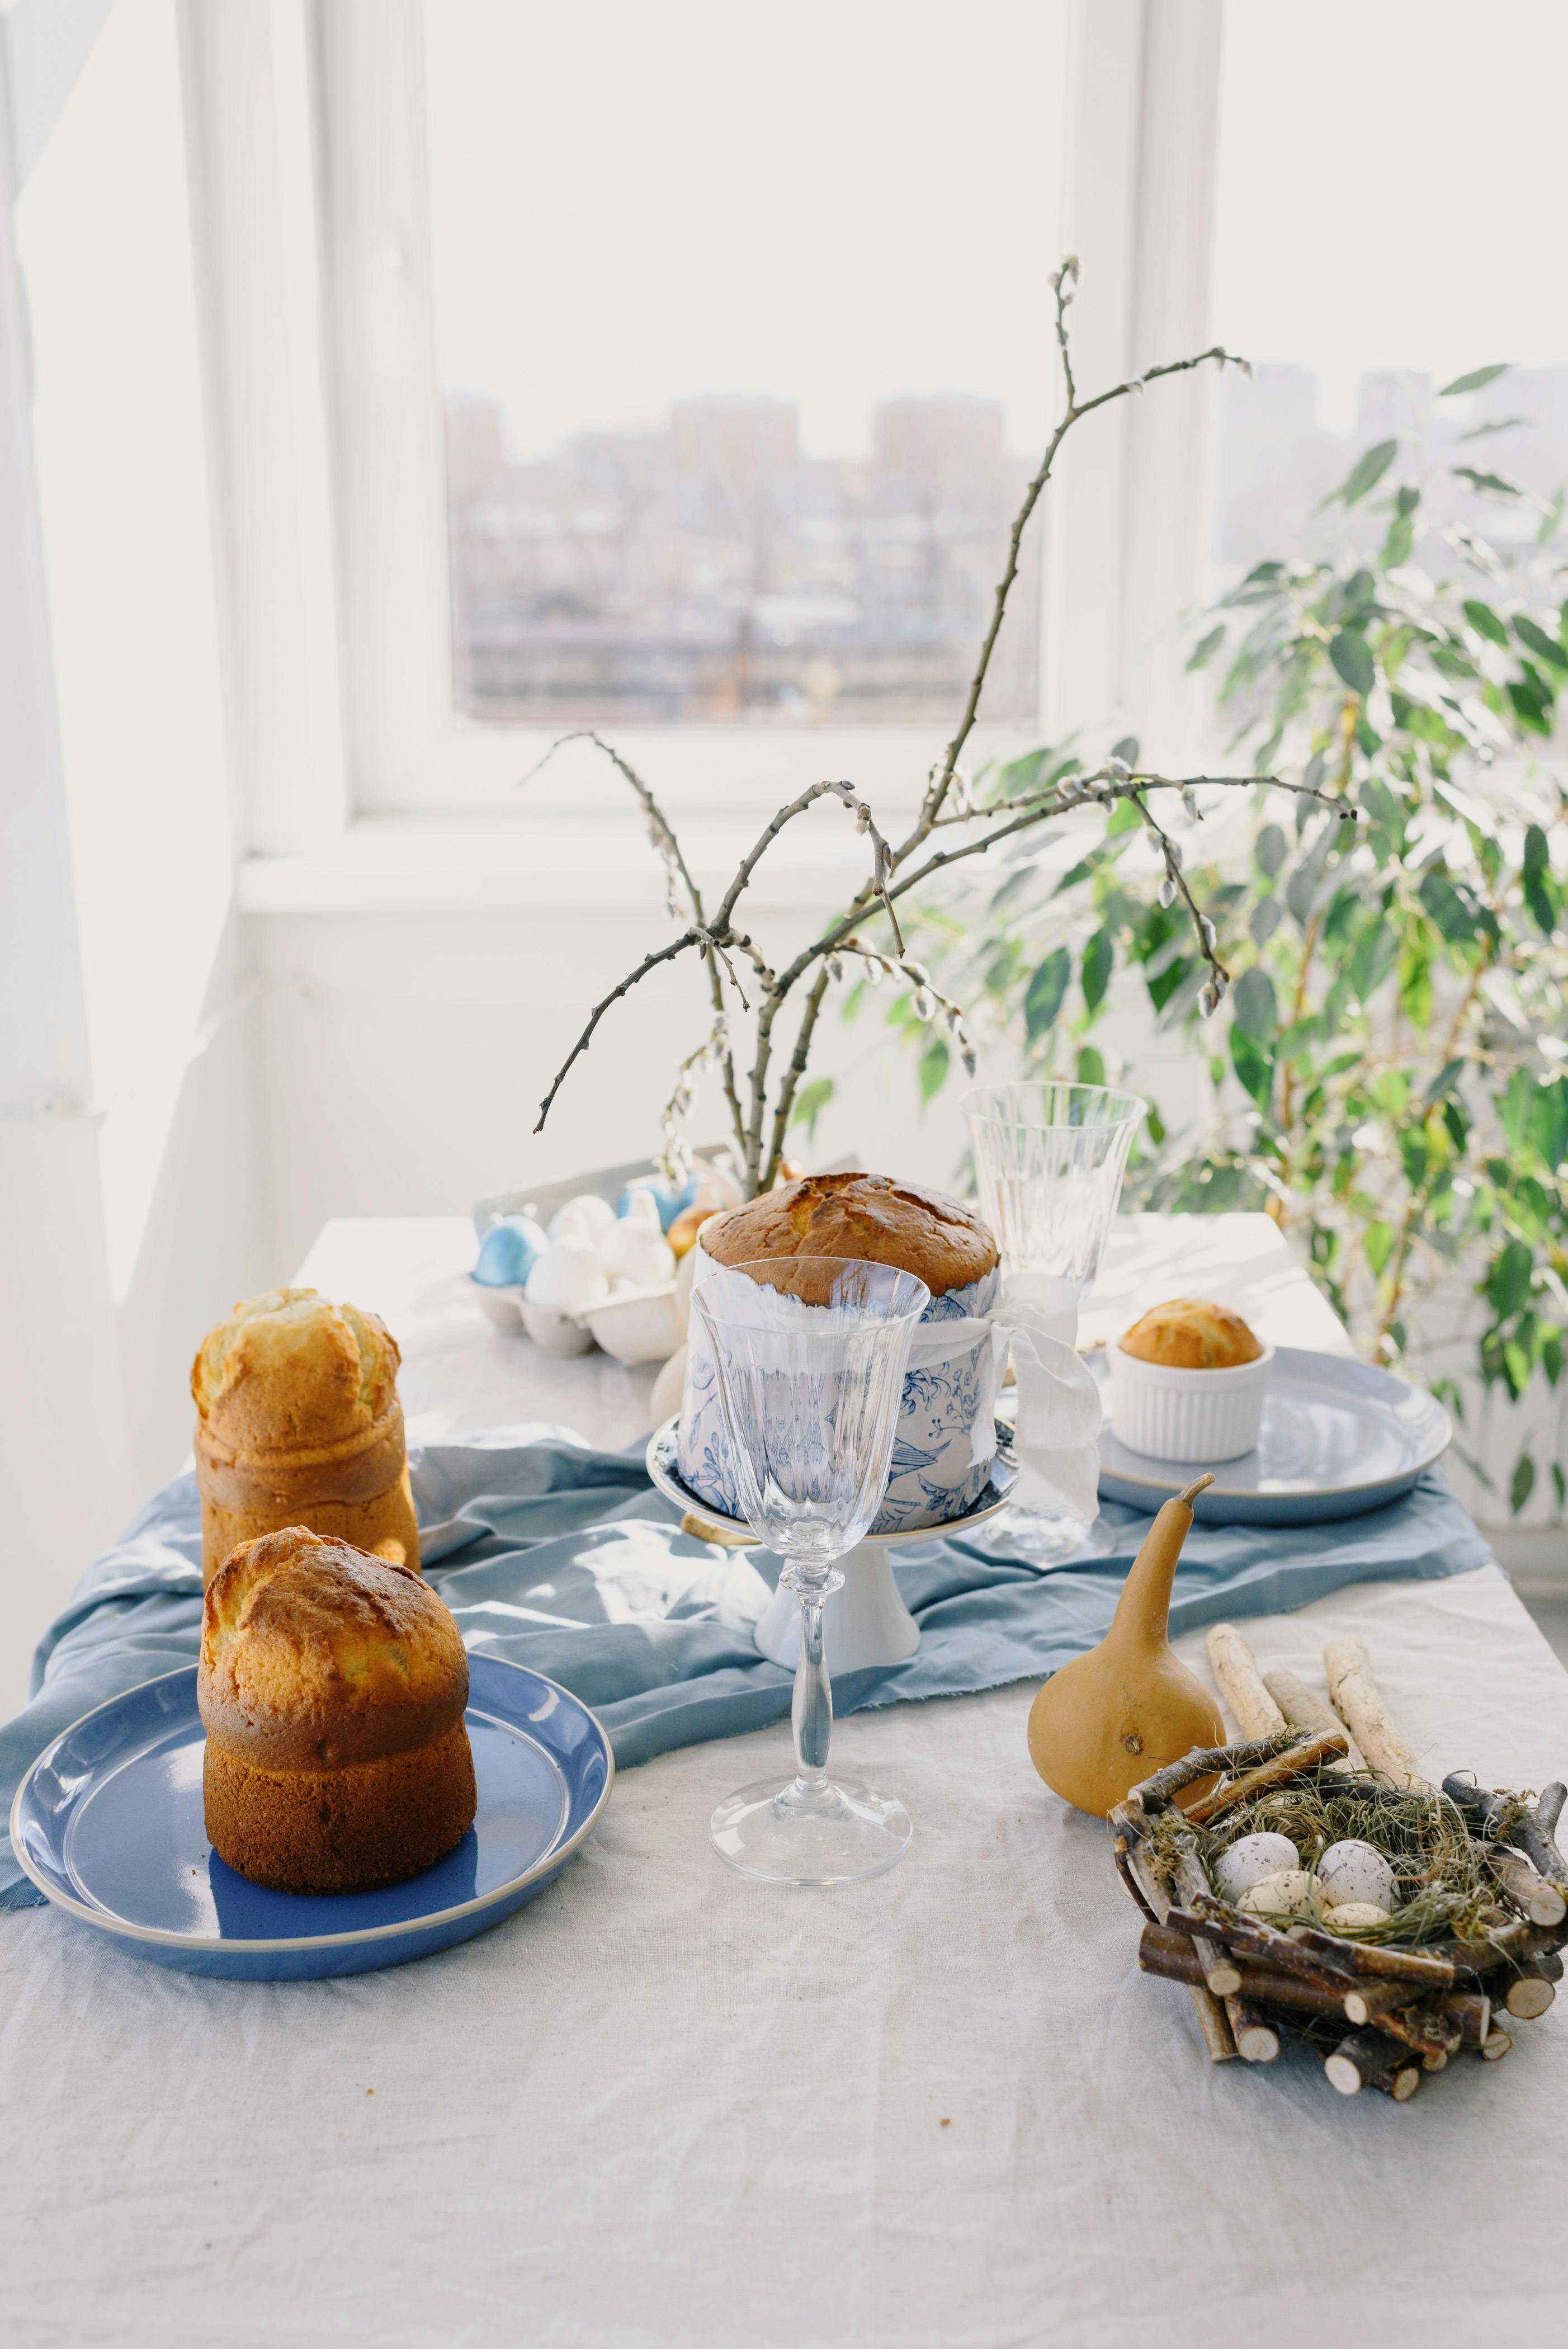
x,y
889,880
669,848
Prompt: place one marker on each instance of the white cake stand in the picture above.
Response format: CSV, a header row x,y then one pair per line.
x,y
864,1623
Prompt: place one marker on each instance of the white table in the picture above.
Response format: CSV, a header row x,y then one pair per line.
x,y
941,2110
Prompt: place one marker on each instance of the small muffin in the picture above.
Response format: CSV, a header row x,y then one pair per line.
x,y
939,1239
332,1686
1188,1335
298,1423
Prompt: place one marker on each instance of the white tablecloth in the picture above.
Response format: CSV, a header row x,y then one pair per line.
x,y
666,2106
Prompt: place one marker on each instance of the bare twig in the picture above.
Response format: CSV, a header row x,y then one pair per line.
x,y
663,834
648,963
898,870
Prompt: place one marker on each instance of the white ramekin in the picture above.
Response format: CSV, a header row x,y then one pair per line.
x,y
1194,1416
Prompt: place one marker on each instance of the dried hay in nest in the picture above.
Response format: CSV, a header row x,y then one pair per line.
x,y
1440,1874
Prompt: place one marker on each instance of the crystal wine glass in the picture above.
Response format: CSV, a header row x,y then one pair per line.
x,y
1049,1158
809,1355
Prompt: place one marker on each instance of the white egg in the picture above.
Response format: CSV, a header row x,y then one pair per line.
x,y
585,1218
1290,1892
630,1251
1354,1872
1354,1916
1249,1860
568,1277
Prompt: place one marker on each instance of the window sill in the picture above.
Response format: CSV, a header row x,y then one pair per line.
x,y
435,864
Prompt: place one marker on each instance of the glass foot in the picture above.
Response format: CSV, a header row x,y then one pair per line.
x,y
792,1835
1016,1538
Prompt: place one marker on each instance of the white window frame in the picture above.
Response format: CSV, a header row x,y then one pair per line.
x,y
322,301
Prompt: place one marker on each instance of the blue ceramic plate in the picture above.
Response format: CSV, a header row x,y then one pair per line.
x,y
1338,1437
108,1822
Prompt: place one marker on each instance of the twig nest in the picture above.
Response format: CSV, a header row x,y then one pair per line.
x,y
1288,1892
1249,1860
1354,1917
1354,1873
568,1277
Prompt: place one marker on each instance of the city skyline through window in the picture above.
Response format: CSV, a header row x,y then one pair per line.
x,y
767,472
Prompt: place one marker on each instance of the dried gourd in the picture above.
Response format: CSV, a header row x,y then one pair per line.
x,y
1106,1720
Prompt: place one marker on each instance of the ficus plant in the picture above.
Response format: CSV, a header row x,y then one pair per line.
x,y
1389,1076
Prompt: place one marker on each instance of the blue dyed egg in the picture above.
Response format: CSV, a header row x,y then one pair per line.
x,y
668,1202
508,1250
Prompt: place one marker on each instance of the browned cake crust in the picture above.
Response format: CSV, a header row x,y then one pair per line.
x,y
1187,1334
332,1686
298,1422
939,1239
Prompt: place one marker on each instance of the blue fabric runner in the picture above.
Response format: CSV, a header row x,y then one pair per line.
x,y
566,1559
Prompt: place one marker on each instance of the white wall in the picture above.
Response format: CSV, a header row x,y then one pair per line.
x,y
134,1218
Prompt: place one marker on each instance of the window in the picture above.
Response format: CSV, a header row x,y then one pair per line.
x,y
1365,258
743,346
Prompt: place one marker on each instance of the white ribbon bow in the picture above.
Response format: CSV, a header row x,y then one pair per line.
x,y
1059,1421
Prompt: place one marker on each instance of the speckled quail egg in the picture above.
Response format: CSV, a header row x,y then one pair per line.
x,y
1354,1917
1249,1860
1353,1871
1289,1892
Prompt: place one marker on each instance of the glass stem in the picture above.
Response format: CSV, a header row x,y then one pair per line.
x,y
812,1711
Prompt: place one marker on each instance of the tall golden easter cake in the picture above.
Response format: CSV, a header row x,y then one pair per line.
x,y
298,1423
331,1687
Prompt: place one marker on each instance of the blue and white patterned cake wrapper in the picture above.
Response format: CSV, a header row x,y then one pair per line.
x,y
945,1440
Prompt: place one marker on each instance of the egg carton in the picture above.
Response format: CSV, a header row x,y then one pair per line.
x,y
634,1325
1376,2013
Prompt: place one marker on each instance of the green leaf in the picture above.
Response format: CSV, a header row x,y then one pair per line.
x,y
1522,1483
1378,1244
1544,648
1532,706
1499,424
1124,817
1493,483
1536,879
1126,750
1474,380
1551,516
1376,952
1255,1007
1352,657
1045,992
810,1101
1365,474
1252,1064
1401,533
1270,849
934,1062
1098,957
1456,912
1507,1283
1207,647
1485,621
1089,1069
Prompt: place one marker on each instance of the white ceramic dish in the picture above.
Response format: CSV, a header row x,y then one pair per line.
x,y
1337,1437
1198,1418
